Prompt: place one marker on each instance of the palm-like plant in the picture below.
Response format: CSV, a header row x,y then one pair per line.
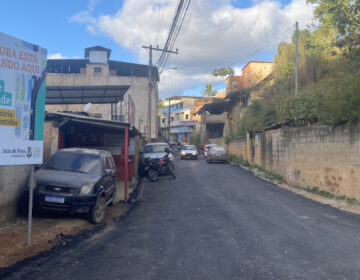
x,y
209,90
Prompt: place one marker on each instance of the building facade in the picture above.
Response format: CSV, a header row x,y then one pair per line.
x,y
252,73
96,69
179,118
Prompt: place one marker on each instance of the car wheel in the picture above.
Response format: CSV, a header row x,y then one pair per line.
x,y
97,213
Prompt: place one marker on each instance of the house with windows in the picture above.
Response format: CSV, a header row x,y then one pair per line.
x,y
251,74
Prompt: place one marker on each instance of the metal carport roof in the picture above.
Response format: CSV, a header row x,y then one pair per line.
x,y
85,94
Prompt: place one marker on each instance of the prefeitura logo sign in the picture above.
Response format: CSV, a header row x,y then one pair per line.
x,y
22,101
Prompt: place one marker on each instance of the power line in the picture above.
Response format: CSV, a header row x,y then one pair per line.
x,y
280,36
180,14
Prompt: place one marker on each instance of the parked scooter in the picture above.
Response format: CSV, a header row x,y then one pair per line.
x,y
162,166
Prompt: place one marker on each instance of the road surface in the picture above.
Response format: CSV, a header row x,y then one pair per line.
x,y
215,221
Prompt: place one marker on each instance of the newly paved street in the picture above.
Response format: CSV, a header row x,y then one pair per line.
x,y
215,221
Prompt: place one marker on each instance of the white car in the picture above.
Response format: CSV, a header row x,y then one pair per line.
x,y
207,147
189,151
156,150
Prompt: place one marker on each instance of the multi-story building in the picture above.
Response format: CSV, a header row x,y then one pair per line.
x,y
98,71
179,117
217,118
252,73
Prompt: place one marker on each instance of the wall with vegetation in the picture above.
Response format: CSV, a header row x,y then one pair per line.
x,y
327,157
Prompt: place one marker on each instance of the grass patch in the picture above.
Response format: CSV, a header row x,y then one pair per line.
x,y
241,161
238,160
351,200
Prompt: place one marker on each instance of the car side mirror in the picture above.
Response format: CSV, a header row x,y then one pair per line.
x,y
109,172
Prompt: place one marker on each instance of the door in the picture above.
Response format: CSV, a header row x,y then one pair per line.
x,y
110,183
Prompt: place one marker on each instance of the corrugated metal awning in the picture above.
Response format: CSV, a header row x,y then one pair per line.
x,y
85,94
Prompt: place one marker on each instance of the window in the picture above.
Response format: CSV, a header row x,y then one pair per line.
x,y
107,163
172,119
186,117
97,69
163,120
246,74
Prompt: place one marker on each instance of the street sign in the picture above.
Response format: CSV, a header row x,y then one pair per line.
x,y
22,101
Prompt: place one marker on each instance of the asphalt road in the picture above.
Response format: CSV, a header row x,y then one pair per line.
x,y
215,221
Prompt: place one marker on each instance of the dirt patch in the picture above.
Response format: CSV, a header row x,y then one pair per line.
x,y
48,230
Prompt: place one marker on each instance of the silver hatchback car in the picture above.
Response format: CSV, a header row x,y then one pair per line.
x,y
217,153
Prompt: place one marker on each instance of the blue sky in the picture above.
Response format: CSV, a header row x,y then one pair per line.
x,y
215,33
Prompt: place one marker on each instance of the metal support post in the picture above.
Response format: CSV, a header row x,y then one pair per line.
x,y
126,163
31,187
296,57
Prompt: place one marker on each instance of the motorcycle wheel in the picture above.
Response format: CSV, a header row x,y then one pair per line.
x,y
153,175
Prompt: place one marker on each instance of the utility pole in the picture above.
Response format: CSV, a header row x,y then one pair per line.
x,y
151,49
296,57
169,118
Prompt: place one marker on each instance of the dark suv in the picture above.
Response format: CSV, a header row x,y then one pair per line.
x,y
76,181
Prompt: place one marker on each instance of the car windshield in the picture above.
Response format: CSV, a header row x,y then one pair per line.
x,y
155,148
77,162
217,149
189,148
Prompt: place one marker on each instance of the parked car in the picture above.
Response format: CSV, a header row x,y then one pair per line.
x,y
217,153
207,147
77,181
157,150
189,151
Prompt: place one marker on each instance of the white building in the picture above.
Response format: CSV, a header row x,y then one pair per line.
x,y
98,71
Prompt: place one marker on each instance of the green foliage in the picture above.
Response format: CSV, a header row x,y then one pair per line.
x,y
223,72
209,90
330,101
344,16
256,116
351,200
160,106
195,139
238,160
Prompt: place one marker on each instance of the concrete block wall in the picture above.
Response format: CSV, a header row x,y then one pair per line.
x,y
327,157
13,180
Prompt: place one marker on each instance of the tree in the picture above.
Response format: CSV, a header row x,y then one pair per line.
x,y
160,107
344,15
223,72
209,90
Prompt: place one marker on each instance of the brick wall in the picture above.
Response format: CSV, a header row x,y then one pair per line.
x,y
324,156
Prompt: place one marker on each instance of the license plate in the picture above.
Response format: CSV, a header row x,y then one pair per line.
x,y
54,199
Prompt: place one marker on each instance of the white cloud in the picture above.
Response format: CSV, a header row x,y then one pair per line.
x,y
56,56
214,34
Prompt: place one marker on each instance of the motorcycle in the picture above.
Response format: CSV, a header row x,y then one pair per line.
x,y
163,166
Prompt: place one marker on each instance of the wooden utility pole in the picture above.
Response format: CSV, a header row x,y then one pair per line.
x,y
151,49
